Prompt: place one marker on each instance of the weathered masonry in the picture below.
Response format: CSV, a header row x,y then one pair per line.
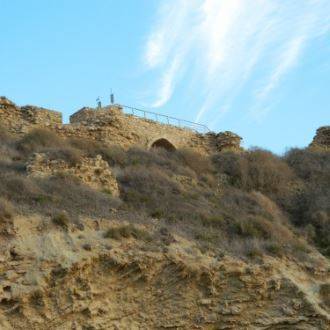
x,y
112,126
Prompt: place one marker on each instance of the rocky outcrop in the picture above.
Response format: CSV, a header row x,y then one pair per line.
x,y
40,116
95,172
226,141
322,139
6,103
20,120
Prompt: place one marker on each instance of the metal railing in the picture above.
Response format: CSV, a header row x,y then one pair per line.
x,y
164,119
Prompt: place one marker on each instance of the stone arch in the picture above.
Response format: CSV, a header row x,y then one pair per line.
x,y
163,143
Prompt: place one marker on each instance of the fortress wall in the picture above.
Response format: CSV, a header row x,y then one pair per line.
x,y
321,140
110,125
113,126
19,120
40,116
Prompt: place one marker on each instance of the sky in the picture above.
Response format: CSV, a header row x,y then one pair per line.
x,y
259,68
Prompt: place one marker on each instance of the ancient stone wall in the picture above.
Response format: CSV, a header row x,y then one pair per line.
x,y
113,126
94,172
20,120
110,125
321,139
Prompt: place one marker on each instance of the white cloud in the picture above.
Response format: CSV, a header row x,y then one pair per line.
x,y
166,33
167,84
218,46
287,60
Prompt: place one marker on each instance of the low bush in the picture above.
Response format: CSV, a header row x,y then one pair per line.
x,y
6,210
114,155
152,190
234,202
127,231
325,293
311,166
18,188
63,192
37,299
309,207
37,140
200,164
62,220
255,170
69,154
147,188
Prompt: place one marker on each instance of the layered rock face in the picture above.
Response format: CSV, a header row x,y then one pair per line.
x,y
79,279
322,138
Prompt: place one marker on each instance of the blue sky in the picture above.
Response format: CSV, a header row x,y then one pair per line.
x,y
260,68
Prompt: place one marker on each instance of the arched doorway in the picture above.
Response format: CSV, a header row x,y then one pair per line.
x,y
163,143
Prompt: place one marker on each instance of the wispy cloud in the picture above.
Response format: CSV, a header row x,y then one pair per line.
x,y
286,61
167,84
223,47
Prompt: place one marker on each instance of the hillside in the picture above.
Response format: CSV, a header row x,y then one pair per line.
x,y
97,235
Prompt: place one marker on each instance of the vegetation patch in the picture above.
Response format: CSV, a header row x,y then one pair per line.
x,y
62,220
128,231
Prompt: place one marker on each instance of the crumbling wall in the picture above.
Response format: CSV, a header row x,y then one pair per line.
x,y
40,116
110,125
94,172
19,120
321,139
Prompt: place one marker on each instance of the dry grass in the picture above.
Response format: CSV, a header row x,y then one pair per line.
x,y
6,210
37,140
325,293
256,169
247,213
128,231
62,220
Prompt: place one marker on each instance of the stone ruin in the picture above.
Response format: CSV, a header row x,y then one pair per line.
x,y
321,140
112,126
20,120
94,172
